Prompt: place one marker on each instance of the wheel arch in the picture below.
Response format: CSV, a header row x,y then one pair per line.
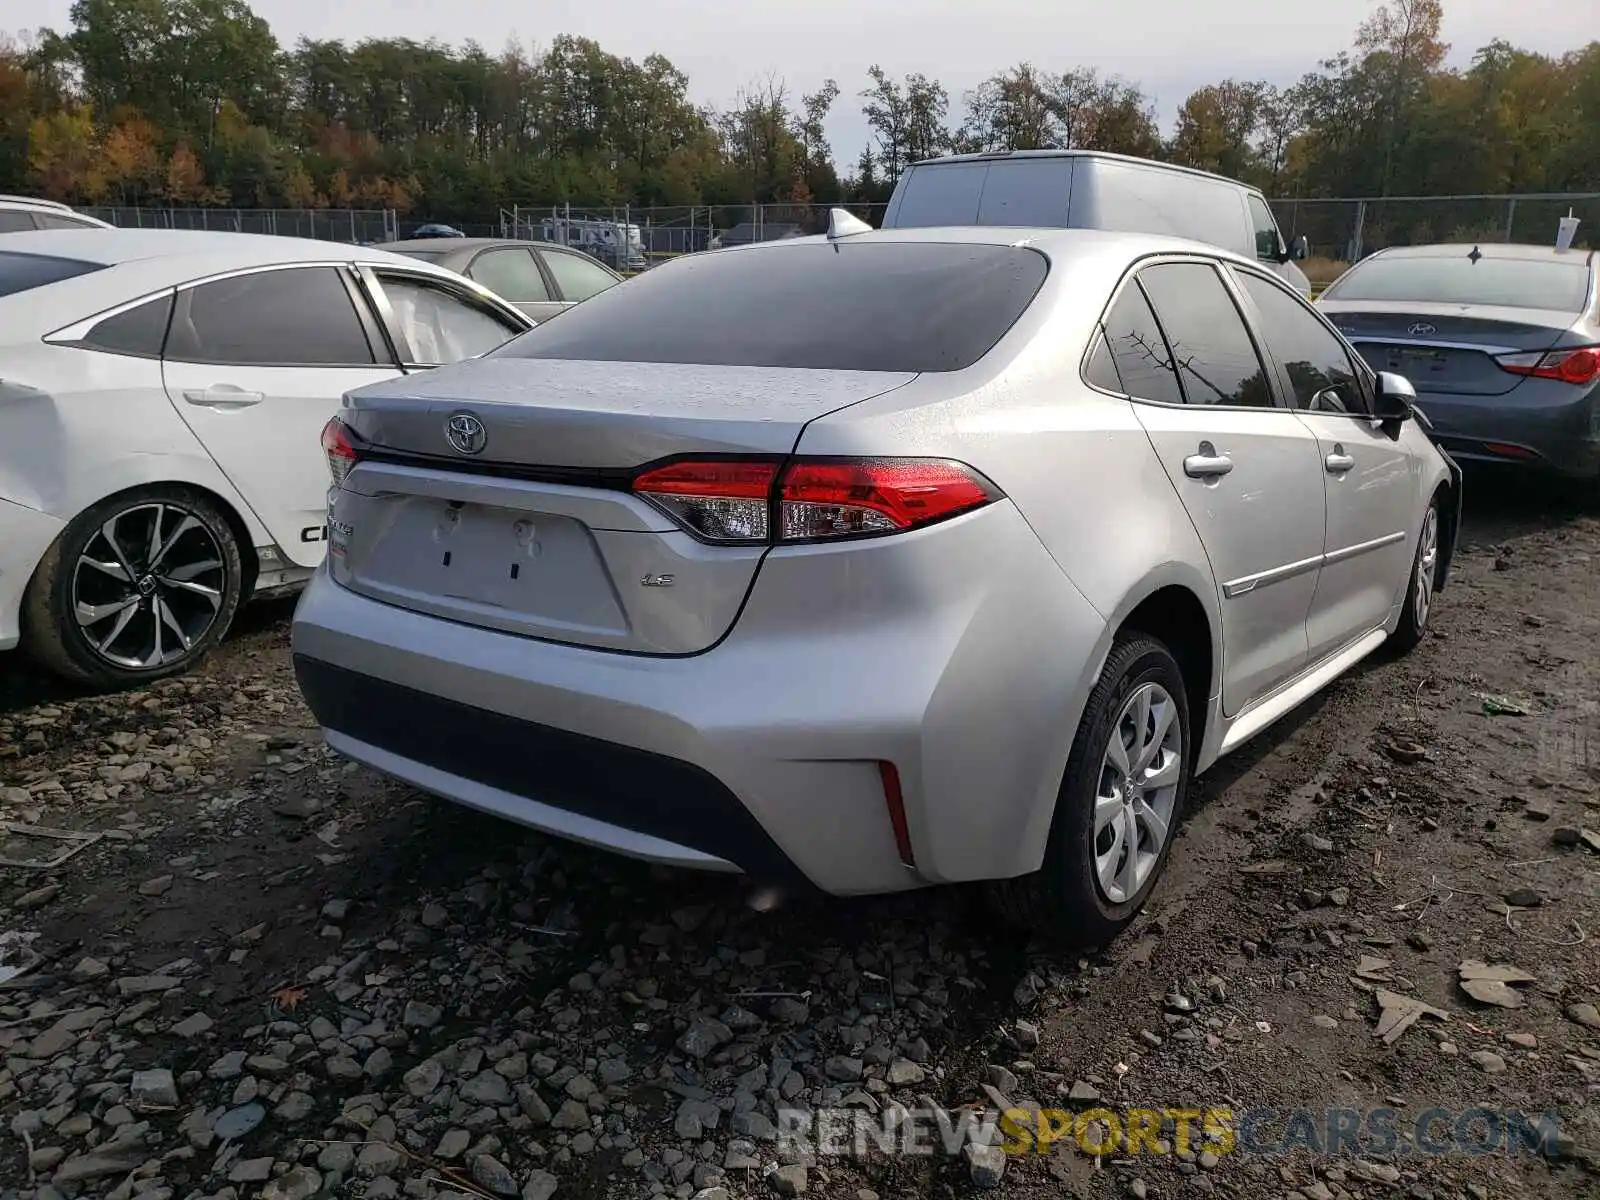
x,y
247,531
1177,605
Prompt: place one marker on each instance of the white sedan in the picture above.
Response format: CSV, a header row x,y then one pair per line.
x,y
162,394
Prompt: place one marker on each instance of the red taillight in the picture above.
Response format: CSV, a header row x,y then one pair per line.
x,y
734,501
719,500
831,499
1578,366
340,448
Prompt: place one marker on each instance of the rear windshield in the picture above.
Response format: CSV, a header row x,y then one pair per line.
x,y
883,306
1500,282
20,272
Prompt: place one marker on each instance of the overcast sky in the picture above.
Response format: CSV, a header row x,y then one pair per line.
x,y
1169,46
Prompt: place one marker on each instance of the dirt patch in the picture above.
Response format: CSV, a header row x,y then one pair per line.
x,y
425,1001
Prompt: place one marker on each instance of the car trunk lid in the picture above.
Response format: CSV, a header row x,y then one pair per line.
x,y
1446,347
536,531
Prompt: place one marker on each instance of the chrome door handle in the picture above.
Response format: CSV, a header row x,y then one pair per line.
x,y
223,397
1338,462
1207,464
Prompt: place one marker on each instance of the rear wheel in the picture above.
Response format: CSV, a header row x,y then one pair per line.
x,y
138,587
1418,608
1119,804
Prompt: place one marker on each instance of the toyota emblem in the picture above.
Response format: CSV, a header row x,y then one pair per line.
x,y
466,433
1421,329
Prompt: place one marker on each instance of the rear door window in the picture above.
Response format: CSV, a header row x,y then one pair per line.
x,y
1216,360
1138,351
13,220
511,274
879,306
295,316
438,325
23,272
53,221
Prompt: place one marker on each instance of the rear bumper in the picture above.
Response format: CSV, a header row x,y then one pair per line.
x,y
1541,424
761,754
25,534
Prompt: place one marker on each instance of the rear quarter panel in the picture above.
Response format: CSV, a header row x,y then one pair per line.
x,y
1081,471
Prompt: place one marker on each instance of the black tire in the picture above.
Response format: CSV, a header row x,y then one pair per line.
x,y
1063,901
51,632
1418,609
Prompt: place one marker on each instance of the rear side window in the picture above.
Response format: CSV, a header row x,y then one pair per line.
x,y
576,276
1216,360
138,331
947,194
15,220
52,221
1138,351
1498,282
1028,191
873,306
1128,198
22,272
299,316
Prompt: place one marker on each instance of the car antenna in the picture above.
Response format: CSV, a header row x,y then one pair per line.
x,y
1476,254
842,224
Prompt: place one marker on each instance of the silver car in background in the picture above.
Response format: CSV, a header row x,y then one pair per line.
x,y
540,279
874,560
1501,342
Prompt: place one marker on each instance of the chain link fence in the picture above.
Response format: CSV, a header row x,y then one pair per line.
x,y
355,225
630,237
1342,231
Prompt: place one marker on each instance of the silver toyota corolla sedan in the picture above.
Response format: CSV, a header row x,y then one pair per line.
x,y
1502,344
874,560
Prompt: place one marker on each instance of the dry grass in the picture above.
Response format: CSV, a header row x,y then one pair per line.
x,y
1323,271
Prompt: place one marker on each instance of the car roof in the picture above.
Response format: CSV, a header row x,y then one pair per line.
x,y
1003,155
1052,241
1503,250
221,250
10,201
450,243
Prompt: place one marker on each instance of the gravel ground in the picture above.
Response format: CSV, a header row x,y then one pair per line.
x,y
274,974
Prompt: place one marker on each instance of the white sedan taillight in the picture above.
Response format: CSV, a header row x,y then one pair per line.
x,y
813,499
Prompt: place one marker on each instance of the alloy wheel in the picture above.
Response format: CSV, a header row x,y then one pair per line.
x,y
1427,565
148,586
1138,792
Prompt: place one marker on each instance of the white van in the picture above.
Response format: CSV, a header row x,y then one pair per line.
x,y
1089,189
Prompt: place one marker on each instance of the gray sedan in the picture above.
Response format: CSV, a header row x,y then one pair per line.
x,y
1502,343
540,279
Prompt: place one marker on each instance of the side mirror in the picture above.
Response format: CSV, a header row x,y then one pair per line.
x,y
1393,398
1300,248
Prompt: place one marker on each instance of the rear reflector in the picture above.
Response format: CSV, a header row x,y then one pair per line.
x,y
896,805
340,447
1509,451
815,499
1579,366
